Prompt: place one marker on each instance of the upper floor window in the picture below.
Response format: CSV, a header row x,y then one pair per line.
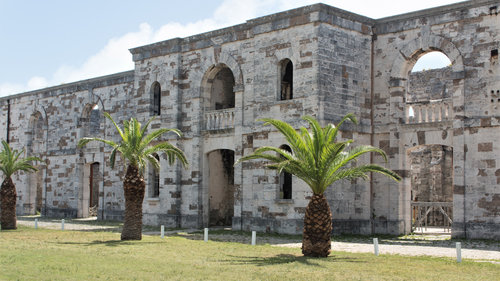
x,y
286,80
222,90
95,121
156,99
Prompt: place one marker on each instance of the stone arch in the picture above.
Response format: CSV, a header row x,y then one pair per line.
x,y
412,51
430,182
403,62
36,129
223,74
220,187
227,60
36,146
91,120
209,153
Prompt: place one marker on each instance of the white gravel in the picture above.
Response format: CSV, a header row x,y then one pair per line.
x,y
408,250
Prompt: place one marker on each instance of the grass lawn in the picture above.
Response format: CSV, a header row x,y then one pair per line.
x,y
29,254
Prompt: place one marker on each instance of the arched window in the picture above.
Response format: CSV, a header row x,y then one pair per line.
x,y
285,191
154,180
90,122
95,121
222,90
156,99
286,79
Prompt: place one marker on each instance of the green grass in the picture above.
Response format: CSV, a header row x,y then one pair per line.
x,y
29,254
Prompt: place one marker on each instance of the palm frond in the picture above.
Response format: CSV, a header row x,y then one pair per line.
x,y
135,144
10,161
317,158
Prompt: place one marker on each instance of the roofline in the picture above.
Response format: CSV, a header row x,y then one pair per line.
x,y
95,82
437,10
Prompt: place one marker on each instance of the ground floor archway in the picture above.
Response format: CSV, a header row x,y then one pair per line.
x,y
220,187
431,179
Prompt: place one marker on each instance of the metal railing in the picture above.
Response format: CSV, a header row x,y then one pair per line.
x,y
420,212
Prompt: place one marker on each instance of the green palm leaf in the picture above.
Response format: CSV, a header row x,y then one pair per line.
x,y
10,161
135,145
316,157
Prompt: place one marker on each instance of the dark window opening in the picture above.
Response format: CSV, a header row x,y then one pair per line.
x,y
222,90
494,54
155,180
285,180
156,99
493,10
95,121
94,189
286,91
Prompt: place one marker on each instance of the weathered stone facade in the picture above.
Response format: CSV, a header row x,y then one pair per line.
x,y
316,60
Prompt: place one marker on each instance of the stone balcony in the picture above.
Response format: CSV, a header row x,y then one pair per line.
x,y
219,119
429,111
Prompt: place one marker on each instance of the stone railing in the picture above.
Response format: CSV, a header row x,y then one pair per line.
x,y
432,111
219,119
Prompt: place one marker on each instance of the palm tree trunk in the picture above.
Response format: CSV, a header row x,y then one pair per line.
x,y
317,228
134,188
8,199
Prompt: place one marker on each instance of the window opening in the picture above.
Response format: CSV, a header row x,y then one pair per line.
x,y
155,180
286,91
156,99
285,180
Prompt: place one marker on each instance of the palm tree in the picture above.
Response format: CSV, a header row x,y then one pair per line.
x,y
319,161
10,162
136,149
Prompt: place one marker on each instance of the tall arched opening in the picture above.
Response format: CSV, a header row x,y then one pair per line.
x,y
424,110
220,187
431,177
36,146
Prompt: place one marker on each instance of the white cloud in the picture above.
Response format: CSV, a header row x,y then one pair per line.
x,y
115,57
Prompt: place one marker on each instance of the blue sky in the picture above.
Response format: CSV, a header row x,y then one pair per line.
x,y
46,43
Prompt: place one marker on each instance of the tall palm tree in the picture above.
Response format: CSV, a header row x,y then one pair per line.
x,y
135,146
319,161
10,162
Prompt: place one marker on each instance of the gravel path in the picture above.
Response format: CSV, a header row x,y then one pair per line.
x,y
471,249
408,250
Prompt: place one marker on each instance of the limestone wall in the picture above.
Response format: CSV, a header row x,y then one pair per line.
x,y
214,86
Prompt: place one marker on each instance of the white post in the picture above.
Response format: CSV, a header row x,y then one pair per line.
x,y
459,252
375,245
36,223
162,231
62,224
205,237
254,237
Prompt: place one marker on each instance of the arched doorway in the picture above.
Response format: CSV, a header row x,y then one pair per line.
x,y
36,146
94,189
220,187
431,178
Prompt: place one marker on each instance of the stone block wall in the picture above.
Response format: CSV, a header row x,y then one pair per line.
x,y
342,63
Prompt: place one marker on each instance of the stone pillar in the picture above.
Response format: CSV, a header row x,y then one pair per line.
x,y
238,153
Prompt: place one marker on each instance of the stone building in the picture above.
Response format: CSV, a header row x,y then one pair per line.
x,y
439,128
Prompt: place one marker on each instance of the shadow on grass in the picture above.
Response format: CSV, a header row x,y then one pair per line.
x,y
288,258
108,243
